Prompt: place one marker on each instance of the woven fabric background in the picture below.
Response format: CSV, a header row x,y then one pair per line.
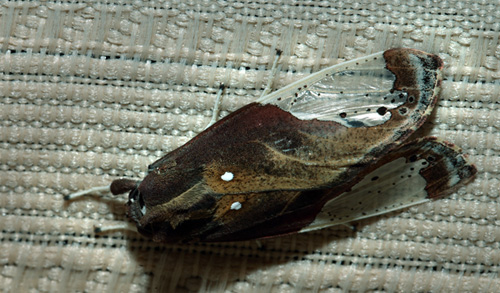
x,y
94,91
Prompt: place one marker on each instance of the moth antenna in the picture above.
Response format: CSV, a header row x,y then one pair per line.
x,y
272,76
110,228
215,112
93,190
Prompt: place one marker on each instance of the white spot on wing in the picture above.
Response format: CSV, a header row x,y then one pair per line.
x,y
454,180
236,205
228,176
143,210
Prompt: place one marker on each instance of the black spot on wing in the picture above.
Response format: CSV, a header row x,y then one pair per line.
x,y
355,123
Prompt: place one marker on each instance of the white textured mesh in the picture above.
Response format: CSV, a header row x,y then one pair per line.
x,y
90,92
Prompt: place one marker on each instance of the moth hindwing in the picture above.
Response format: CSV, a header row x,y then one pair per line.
x,y
322,151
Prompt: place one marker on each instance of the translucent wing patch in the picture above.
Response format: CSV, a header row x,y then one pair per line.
x,y
413,174
361,92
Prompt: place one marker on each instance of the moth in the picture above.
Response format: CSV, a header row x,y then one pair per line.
x,y
326,150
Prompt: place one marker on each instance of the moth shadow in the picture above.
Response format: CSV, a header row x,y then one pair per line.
x,y
226,266
232,265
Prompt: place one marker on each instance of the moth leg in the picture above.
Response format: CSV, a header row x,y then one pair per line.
x,y
120,227
350,226
267,89
216,110
258,243
274,70
93,190
118,186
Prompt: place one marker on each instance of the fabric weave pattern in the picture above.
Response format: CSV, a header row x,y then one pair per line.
x,y
95,91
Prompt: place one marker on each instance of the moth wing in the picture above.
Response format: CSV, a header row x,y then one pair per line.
x,y
361,92
321,130
413,174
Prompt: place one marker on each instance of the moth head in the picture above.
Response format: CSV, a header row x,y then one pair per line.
x,y
135,203
136,206
163,212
